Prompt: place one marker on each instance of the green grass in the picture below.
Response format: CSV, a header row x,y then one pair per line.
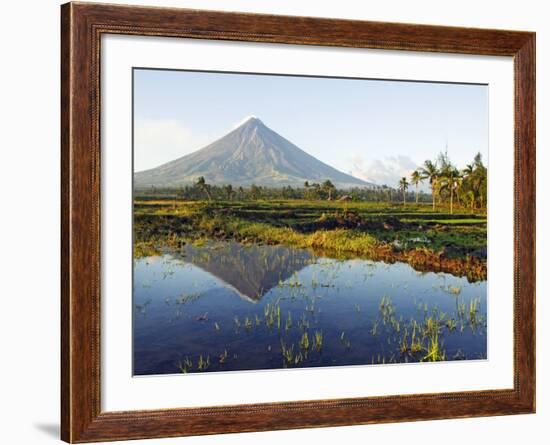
x,y
423,340
460,222
411,233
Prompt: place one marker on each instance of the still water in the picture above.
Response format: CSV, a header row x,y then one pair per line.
x,y
227,307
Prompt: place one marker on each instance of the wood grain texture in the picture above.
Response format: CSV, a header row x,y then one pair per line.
x,y
81,28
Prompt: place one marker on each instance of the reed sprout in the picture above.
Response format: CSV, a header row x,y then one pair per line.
x,y
186,365
223,357
288,323
203,363
288,353
304,341
318,341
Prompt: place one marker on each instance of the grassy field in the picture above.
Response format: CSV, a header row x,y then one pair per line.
x,y
428,240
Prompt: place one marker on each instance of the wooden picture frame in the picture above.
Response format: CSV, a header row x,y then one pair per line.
x,y
82,25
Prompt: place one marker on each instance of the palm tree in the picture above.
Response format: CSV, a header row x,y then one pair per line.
x,y
450,177
315,189
478,163
201,184
228,189
454,184
468,170
306,186
429,171
328,188
469,196
403,186
255,191
416,179
479,180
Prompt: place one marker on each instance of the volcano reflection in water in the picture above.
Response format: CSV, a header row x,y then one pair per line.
x,y
243,307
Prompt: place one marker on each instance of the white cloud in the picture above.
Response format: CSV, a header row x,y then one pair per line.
x,y
383,172
162,140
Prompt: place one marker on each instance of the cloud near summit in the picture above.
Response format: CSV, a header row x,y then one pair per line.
x,y
385,171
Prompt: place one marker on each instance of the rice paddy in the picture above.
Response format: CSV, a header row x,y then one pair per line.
x,y
226,306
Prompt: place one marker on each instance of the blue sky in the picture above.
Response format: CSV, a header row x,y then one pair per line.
x,y
374,129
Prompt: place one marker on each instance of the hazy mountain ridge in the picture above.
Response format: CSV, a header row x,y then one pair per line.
x,y
250,154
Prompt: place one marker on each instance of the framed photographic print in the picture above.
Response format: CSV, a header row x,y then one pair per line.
x,y
275,222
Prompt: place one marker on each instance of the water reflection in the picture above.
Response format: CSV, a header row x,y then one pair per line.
x,y
251,271
225,306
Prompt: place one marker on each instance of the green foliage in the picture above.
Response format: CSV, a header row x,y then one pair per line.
x,y
341,229
203,363
304,341
448,184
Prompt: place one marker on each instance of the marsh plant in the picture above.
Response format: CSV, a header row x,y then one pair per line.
x,y
186,365
318,341
424,340
203,363
293,325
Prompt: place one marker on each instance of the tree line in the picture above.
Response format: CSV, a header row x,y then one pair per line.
x,y
448,184
202,190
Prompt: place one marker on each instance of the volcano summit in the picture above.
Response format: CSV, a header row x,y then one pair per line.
x,y
251,154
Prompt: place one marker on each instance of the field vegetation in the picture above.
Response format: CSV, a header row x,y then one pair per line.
x,y
444,230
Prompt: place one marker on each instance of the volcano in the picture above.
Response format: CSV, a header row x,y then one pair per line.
x,y
250,154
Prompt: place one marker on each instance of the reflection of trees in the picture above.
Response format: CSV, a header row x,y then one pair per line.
x,y
251,270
